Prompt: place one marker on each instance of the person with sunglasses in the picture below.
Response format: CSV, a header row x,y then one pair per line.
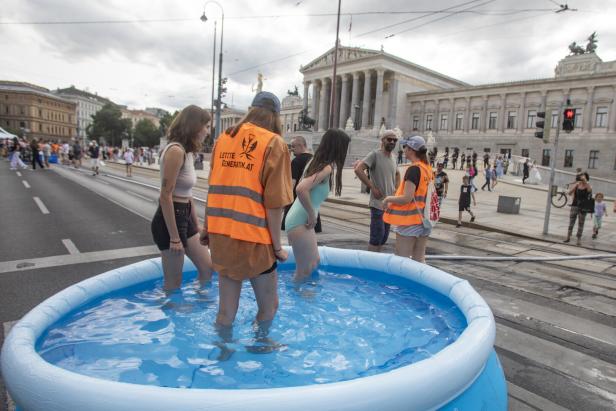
x,y
383,180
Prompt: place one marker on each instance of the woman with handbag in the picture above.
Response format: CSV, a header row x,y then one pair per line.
x,y
581,205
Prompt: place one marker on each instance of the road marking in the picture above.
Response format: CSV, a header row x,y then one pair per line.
x,y
70,246
89,257
140,196
25,183
39,203
18,174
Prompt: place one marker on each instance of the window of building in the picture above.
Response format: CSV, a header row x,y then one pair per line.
x,y
40,113
545,157
492,122
7,110
487,149
40,127
614,163
525,153
531,118
578,118
416,122
429,122
568,159
554,123
22,124
593,159
459,119
443,122
601,119
511,119
475,121
22,110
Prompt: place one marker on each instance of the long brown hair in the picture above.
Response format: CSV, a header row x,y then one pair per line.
x,y
187,125
332,149
422,154
261,117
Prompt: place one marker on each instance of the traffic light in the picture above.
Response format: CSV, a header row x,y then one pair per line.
x,y
569,120
543,127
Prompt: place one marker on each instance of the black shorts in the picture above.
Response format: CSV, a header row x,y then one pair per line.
x,y
271,269
464,207
183,221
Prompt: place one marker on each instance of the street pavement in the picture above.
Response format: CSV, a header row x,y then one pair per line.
x,y
556,322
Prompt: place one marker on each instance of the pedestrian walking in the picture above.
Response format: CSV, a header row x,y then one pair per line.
x,y
298,165
382,182
464,202
472,173
454,158
77,154
175,226
46,153
488,175
469,161
486,160
312,190
15,155
400,154
525,171
441,182
249,186
494,178
499,167
582,197
129,158
94,153
36,156
600,211
462,161
445,159
405,208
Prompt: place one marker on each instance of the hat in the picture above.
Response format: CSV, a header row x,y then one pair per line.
x,y
267,100
389,133
414,142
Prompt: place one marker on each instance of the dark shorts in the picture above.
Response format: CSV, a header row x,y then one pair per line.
x,y
379,230
183,221
464,207
271,269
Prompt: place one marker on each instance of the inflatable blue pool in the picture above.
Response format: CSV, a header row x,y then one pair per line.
x,y
463,373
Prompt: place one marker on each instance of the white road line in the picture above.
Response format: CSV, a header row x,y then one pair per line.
x,y
18,174
39,203
89,257
102,182
25,183
70,246
140,196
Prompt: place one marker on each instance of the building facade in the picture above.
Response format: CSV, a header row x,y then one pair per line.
x,y
371,88
290,109
37,112
136,116
230,116
500,118
88,104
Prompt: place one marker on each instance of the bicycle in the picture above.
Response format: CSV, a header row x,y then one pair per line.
x,y
559,198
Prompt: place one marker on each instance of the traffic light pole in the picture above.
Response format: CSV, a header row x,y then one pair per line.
x,y
548,206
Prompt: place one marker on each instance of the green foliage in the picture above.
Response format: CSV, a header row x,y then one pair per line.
x,y
166,120
108,123
146,134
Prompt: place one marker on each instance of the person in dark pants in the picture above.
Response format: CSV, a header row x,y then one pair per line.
x,y
488,174
582,196
298,164
526,171
36,158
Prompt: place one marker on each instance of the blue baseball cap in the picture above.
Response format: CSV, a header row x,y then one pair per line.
x,y
414,142
267,100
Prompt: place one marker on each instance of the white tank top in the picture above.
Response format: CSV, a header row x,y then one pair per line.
x,y
187,178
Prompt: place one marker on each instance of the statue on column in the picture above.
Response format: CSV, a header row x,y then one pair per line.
x,y
259,82
305,123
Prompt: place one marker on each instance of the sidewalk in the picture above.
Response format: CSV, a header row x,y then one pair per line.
x,y
529,222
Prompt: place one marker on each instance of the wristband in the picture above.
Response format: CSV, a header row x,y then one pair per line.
x,y
175,242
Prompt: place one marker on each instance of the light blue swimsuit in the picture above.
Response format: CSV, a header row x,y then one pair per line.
x,y
297,214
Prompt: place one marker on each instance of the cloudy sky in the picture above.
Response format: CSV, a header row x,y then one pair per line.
x,y
157,53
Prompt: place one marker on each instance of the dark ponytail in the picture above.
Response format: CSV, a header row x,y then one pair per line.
x,y
422,154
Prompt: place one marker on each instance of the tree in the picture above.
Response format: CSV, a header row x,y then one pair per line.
x,y
108,123
146,134
166,120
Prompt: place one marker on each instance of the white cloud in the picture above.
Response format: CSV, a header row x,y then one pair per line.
x,y
169,64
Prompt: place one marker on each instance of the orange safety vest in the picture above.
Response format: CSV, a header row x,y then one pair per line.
x,y
410,213
235,195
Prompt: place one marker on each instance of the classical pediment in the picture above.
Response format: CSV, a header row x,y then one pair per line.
x,y
345,54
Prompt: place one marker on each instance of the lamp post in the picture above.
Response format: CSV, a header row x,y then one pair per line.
x,y
222,27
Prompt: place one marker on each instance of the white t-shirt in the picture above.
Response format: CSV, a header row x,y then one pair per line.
x,y
129,157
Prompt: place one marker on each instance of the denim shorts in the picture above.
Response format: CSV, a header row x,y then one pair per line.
x,y
416,230
183,221
379,230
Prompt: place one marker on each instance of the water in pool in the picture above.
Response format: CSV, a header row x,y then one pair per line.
x,y
334,328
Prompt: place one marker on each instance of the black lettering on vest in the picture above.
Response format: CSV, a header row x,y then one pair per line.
x,y
238,164
227,154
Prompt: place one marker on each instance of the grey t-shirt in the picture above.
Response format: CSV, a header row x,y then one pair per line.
x,y
382,174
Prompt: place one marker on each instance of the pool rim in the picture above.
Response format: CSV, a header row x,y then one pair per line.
x,y
459,364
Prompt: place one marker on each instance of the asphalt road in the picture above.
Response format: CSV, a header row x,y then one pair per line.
x,y
556,322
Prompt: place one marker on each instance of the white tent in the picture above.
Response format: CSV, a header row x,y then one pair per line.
x,y
6,134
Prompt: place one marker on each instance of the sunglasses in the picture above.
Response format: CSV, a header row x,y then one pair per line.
x,y
391,140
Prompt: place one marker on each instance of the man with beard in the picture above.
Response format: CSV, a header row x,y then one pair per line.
x,y
383,180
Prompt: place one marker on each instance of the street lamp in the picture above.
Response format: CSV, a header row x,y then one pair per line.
x,y
222,25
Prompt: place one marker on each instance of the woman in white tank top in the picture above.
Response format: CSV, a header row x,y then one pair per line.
x,y
175,226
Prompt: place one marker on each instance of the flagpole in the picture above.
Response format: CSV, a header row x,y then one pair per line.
x,y
333,93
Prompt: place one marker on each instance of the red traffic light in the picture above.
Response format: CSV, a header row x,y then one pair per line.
x,y
569,113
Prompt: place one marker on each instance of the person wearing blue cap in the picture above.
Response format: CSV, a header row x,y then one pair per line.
x,y
249,186
405,209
